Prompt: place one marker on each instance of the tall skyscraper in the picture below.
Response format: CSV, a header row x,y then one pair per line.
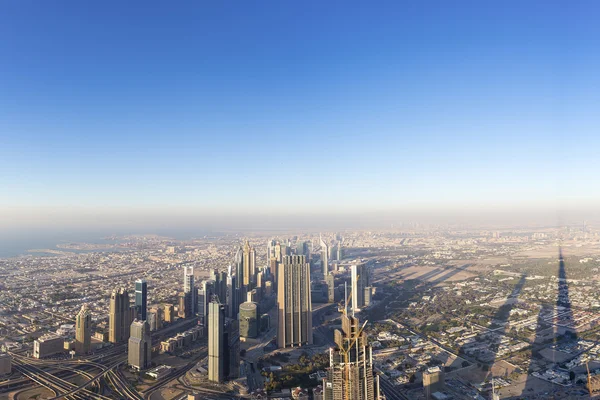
x,y
350,375
83,330
189,288
139,345
232,297
216,347
205,295
141,299
294,302
249,264
324,257
330,288
239,267
360,281
119,316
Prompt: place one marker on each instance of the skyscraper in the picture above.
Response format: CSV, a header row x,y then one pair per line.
x,y
330,288
141,299
350,374
324,257
216,347
169,313
119,316
294,302
83,330
139,345
249,264
205,295
239,267
189,288
232,296
360,281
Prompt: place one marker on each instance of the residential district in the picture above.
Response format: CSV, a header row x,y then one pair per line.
x,y
414,312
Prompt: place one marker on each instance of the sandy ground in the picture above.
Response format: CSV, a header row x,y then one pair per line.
x,y
166,394
432,274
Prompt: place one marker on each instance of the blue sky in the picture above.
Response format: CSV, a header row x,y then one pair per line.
x,y
309,106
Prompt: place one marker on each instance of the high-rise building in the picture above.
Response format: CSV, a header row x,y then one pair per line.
x,y
83,330
216,347
140,345
223,344
249,264
169,313
248,320
340,251
324,257
294,302
189,288
433,381
239,267
141,299
205,294
330,288
232,297
181,306
119,316
350,375
155,318
360,281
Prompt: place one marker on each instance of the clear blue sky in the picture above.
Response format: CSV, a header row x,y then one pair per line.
x,y
249,105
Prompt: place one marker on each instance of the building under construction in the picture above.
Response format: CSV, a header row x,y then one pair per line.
x,y
350,375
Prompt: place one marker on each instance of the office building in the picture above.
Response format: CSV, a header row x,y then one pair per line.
x,y
119,317
216,347
330,279
140,345
223,344
433,381
206,293
294,302
5,364
249,265
83,330
48,345
248,320
350,375
141,299
181,303
189,288
324,257
169,313
232,297
360,281
155,318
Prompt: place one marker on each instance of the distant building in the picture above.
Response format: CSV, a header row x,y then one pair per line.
x,y
330,279
248,320
141,299
48,345
119,317
169,313
181,305
360,281
294,302
155,319
249,265
140,345
324,257
83,330
189,288
433,381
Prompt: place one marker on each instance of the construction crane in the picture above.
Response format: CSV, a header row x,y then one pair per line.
x,y
346,346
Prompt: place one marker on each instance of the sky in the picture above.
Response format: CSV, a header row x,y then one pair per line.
x,y
158,110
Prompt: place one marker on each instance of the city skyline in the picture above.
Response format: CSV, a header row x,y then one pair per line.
x,y
403,108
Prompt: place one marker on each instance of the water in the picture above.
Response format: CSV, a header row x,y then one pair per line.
x,y
16,245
